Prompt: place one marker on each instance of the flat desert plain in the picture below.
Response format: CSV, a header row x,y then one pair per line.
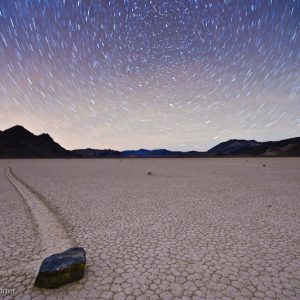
x,y
219,228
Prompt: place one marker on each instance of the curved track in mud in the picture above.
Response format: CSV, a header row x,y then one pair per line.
x,y
54,237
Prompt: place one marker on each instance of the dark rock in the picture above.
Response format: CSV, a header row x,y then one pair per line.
x,y
263,165
149,173
61,268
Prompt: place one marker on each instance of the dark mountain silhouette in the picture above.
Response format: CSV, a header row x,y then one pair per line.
x,y
233,147
288,147
160,153
95,153
17,142
141,153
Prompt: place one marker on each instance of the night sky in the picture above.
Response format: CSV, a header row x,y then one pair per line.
x,y
171,74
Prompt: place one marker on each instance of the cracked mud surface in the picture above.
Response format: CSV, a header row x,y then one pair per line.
x,y
194,229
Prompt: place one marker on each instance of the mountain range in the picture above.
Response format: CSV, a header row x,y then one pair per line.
x,y
18,142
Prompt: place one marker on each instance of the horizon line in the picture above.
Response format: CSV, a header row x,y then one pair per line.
x,y
151,149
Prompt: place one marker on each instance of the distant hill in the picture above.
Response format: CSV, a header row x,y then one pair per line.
x,y
288,147
95,153
142,153
160,153
147,153
18,142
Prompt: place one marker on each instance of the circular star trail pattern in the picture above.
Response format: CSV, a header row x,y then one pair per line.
x,y
154,74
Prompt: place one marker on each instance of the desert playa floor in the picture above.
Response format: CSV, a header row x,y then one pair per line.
x,y
194,229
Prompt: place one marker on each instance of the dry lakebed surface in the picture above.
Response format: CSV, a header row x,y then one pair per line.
x,y
217,228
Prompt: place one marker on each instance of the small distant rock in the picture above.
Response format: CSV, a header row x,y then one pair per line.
x,y
263,165
61,268
269,205
149,173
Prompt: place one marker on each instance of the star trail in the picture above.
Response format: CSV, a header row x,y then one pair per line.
x,y
171,74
